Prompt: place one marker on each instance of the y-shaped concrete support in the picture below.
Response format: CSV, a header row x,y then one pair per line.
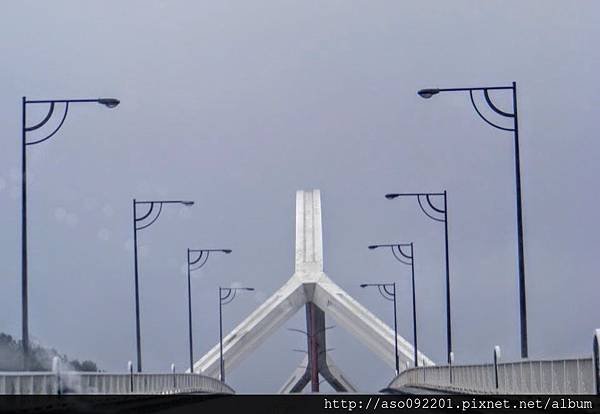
x,y
308,286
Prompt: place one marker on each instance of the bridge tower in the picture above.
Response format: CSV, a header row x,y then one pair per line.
x,y
310,287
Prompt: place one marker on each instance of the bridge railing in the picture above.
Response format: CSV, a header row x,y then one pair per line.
x,y
107,383
567,376
561,376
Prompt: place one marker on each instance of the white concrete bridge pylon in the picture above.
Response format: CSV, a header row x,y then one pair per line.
x,y
309,284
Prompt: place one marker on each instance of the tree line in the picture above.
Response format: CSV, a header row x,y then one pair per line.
x,y
11,357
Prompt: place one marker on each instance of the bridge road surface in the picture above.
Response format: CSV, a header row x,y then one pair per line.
x,y
287,403
293,404
275,403
226,403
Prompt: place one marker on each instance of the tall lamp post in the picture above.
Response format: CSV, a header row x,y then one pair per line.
x,y
428,93
109,103
389,295
226,295
140,223
407,259
440,215
195,264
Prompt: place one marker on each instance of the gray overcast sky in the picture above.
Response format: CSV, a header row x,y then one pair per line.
x,y
236,105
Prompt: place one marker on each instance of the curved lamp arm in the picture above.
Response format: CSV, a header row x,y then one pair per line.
x,y
44,121
401,256
230,295
202,259
427,197
428,93
160,205
108,102
152,203
494,108
431,206
383,289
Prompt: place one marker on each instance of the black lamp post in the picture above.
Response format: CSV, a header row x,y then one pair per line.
x,y
226,295
389,295
440,215
428,93
138,225
407,259
195,264
108,102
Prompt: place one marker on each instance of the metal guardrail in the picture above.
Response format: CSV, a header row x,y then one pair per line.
x,y
567,376
562,376
105,383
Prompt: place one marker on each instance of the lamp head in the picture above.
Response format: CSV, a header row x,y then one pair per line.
x,y
250,289
428,93
226,251
391,196
187,203
363,285
373,246
109,102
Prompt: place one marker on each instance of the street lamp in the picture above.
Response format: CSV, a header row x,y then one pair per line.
x,y
195,264
407,259
389,295
108,102
139,224
440,215
226,295
428,93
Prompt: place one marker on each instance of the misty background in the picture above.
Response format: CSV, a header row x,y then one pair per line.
x,y
237,105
